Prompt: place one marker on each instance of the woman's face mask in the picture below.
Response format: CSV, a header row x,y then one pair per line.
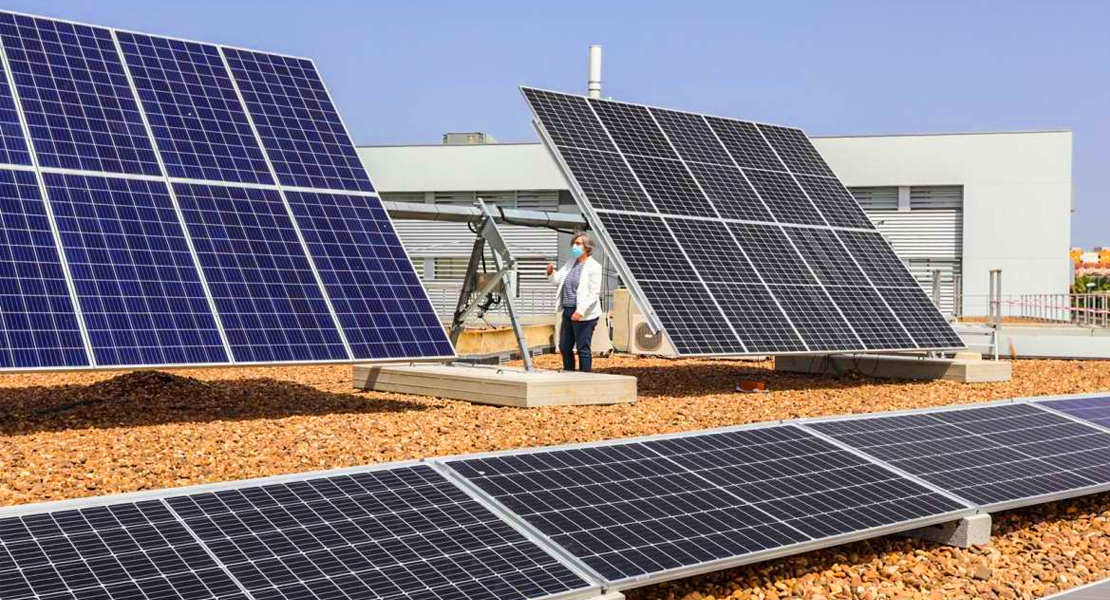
x,y
577,250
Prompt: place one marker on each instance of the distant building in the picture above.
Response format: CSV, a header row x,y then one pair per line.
x,y
960,204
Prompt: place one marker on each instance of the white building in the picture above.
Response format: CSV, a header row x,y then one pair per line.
x,y
963,204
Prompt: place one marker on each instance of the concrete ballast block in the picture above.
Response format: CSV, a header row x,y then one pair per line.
x,y
963,533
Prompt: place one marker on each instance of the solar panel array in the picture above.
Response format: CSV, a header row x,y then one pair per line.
x,y
170,202
735,236
643,509
561,522
993,456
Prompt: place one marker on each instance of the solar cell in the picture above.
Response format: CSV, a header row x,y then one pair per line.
x,y
756,180
569,120
201,129
795,149
730,193
13,144
607,180
1093,410
403,532
817,319
670,187
994,456
745,144
784,197
633,129
869,317
835,202
117,552
757,319
920,317
38,321
137,283
632,511
81,111
266,294
303,135
380,302
693,322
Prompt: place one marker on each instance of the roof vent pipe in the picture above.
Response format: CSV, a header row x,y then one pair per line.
x,y
594,83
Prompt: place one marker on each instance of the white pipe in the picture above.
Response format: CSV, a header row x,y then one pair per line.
x,y
593,85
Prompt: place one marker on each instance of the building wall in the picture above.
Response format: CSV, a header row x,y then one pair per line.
x,y
1017,199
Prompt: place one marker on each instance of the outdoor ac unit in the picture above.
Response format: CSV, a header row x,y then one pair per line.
x,y
631,332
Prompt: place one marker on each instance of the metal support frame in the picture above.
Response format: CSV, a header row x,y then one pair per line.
x,y
994,308
476,295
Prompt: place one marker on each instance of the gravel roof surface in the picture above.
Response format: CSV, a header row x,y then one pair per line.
x,y
84,434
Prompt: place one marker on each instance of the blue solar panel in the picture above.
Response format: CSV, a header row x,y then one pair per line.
x,y
13,145
200,126
78,103
38,324
139,288
373,287
266,294
302,132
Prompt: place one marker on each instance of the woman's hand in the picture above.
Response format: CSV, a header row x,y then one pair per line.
x,y
550,269
577,316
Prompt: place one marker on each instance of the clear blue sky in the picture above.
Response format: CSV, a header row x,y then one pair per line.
x,y
406,72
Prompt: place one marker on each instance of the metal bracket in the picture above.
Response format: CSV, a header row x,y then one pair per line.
x,y
476,295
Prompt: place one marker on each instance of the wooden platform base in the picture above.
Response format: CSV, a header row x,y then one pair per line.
x,y
963,370
501,386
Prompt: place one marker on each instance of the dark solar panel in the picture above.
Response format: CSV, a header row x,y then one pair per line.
x,y
709,176
39,327
992,456
137,283
265,292
13,143
380,302
303,135
1094,410
201,129
640,509
80,108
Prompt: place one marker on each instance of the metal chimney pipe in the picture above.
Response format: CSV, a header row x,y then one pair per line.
x,y
593,85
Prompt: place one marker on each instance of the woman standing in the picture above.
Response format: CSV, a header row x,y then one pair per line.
x,y
579,293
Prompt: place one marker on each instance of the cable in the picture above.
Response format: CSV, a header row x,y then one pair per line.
x,y
507,220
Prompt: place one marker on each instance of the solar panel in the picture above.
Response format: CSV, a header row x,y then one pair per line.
x,y
643,511
261,280
137,284
994,456
404,532
304,137
153,222
74,93
38,321
1092,410
723,227
201,128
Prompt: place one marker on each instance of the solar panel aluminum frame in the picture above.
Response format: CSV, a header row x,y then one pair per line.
x,y
592,217
166,179
592,591
997,506
709,566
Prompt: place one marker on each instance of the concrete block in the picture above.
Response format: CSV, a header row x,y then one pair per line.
x,y
963,533
609,596
501,386
897,367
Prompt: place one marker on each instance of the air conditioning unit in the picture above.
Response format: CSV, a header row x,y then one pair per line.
x,y
631,332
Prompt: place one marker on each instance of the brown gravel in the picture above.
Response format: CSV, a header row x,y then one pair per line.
x,y
71,435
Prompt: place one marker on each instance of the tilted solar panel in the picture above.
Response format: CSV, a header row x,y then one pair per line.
x,y
994,456
174,191
403,533
1092,410
824,280
659,509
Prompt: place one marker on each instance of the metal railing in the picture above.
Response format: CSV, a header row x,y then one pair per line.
x,y
1091,309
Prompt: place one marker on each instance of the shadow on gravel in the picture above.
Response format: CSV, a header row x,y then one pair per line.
x,y
721,377
155,398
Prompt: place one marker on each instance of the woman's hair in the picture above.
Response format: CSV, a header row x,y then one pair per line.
x,y
587,242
